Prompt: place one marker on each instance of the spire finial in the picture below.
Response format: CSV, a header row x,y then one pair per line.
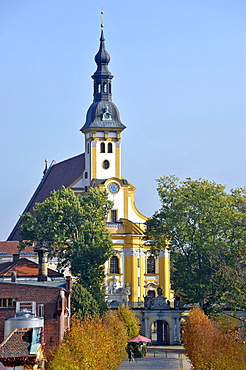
x,y
102,18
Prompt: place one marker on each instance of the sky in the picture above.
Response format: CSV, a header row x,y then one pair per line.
x,y
180,86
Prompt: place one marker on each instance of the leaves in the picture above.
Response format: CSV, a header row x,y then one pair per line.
x,y
73,228
209,347
203,227
92,344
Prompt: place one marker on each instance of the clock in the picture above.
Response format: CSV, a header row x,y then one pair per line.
x,y
113,187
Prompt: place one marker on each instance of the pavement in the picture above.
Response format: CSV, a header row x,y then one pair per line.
x,y
159,358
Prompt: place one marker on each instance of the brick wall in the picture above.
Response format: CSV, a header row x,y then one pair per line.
x,y
55,301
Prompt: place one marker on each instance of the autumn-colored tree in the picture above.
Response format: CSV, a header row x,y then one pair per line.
x,y
118,333
91,344
130,321
209,347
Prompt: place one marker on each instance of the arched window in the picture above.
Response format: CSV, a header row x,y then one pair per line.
x,y
110,148
98,88
114,265
109,88
104,87
150,265
102,147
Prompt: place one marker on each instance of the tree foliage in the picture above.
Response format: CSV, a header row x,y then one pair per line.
x,y
208,347
203,227
73,228
83,303
130,321
92,344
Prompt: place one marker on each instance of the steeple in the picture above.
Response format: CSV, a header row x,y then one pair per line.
x,y
102,77
103,113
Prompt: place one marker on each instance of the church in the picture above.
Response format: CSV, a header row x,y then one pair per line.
x,y
133,275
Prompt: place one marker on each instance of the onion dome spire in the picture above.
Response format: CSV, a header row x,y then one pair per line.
x,y
102,77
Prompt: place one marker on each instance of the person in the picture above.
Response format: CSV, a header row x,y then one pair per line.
x,y
131,356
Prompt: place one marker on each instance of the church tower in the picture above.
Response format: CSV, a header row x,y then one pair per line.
x,y
131,273
103,126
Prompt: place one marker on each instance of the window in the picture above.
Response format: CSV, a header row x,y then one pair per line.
x,y
106,164
86,175
114,265
110,148
7,302
88,148
150,265
102,147
98,88
104,87
86,189
113,215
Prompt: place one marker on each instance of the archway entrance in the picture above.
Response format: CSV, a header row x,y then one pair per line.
x,y
160,332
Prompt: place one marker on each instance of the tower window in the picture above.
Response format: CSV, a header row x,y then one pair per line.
x,y
104,87
114,265
86,175
109,88
110,148
88,148
102,147
106,164
86,189
113,215
150,265
98,88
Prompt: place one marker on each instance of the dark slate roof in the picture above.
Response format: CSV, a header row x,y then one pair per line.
x,y
60,174
94,117
24,268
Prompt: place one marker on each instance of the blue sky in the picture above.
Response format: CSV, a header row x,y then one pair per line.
x,y
180,86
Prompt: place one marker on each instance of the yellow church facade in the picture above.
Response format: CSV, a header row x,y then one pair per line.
x,y
131,265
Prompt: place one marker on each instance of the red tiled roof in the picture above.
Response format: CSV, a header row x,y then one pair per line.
x,y
64,173
17,344
10,247
24,268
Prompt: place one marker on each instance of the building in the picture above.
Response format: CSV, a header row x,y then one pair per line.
x,y
133,275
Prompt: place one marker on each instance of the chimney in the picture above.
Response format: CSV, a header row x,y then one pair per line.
x,y
42,264
13,277
16,256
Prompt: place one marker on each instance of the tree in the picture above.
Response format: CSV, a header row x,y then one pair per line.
x,y
83,303
203,227
73,228
129,319
91,344
209,347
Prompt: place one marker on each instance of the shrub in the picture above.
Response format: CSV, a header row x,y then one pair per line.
x,y
209,347
91,344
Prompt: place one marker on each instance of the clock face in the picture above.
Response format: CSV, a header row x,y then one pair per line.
x,y
113,188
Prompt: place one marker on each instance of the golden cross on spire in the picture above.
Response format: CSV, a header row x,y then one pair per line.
x,y
102,18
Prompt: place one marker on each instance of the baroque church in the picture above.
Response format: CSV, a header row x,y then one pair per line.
x,y
132,274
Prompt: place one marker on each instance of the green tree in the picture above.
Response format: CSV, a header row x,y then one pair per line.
x,y
73,228
203,227
83,303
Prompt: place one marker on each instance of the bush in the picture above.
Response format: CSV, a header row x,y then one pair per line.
x,y
209,347
92,344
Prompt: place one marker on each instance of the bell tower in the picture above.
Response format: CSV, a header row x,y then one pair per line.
x,y
103,126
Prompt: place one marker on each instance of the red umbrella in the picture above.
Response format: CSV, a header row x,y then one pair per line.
x,y
139,338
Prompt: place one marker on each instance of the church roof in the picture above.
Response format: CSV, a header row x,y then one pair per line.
x,y
60,174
